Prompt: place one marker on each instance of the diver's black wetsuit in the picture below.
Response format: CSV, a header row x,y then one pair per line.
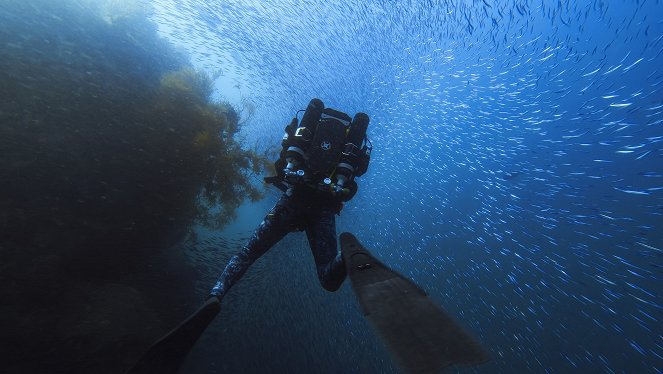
x,y
304,209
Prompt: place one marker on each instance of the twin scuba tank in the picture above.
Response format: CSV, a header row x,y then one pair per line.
x,y
327,149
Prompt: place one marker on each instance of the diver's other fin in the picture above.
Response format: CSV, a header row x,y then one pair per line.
x,y
168,353
422,336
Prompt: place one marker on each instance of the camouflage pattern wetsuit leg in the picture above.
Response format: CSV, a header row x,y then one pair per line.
x,y
303,210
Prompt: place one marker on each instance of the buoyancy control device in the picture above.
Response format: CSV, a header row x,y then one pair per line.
x,y
326,150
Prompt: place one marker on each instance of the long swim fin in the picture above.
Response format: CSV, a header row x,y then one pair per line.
x,y
168,353
422,337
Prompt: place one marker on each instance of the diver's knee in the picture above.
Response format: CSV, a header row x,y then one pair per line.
x,y
331,287
331,283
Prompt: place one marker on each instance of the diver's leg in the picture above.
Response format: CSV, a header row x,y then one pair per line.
x,y
321,234
278,222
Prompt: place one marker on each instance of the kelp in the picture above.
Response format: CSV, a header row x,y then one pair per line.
x,y
96,124
200,135
111,149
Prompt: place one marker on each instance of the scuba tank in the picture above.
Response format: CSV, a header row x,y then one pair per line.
x,y
280,163
349,163
299,141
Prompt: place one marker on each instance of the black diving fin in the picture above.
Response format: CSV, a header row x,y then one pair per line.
x,y
168,353
422,337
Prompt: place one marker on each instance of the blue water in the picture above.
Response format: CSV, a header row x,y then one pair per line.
x,y
517,173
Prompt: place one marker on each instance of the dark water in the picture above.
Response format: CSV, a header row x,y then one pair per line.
x,y
517,176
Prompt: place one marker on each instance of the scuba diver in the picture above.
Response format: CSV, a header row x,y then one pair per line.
x,y
321,156
316,170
